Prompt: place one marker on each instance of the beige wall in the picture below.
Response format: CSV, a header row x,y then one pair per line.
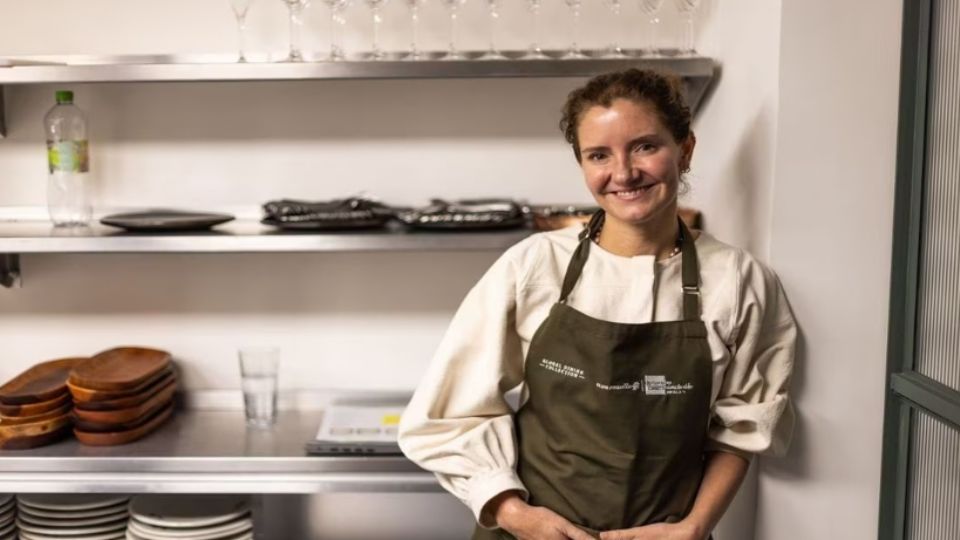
x,y
830,242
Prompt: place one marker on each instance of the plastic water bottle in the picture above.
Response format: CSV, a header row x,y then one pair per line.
x,y
68,186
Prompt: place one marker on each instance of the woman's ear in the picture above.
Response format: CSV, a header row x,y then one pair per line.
x,y
686,152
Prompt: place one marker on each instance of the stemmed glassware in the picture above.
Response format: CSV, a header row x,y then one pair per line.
x,y
376,53
240,9
493,53
615,50
453,8
574,52
296,8
534,52
688,9
414,6
651,8
337,22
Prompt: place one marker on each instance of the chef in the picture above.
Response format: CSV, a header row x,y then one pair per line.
x,y
653,360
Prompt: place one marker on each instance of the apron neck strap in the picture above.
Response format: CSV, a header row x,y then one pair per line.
x,y
690,268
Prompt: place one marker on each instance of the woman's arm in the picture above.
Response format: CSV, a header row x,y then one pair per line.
x,y
721,480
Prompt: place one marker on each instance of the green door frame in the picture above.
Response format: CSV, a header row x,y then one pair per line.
x,y
906,389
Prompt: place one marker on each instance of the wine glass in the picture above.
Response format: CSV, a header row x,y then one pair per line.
x,y
493,8
453,7
651,8
414,7
337,22
376,53
688,9
534,52
574,52
614,50
240,9
296,8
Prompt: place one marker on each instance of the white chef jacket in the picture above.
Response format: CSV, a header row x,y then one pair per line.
x,y
458,424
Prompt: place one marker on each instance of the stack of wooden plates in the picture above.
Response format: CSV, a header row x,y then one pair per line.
x,y
73,516
195,517
8,515
35,405
121,395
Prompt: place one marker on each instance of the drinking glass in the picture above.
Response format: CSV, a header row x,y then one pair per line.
x,y
574,52
258,372
376,53
614,50
296,8
651,8
534,52
453,7
337,22
493,53
240,9
414,7
688,9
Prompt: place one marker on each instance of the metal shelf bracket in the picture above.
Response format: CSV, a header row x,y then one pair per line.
x,y
10,270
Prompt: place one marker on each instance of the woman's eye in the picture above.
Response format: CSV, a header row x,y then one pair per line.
x,y
644,148
596,156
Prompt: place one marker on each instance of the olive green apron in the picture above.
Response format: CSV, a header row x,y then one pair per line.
x,y
612,434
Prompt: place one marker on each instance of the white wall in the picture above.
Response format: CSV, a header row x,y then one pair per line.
x,y
366,321
830,242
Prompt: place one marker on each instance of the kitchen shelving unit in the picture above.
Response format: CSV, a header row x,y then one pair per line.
x,y
209,452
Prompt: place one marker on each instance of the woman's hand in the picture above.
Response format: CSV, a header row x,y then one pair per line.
x,y
527,522
658,531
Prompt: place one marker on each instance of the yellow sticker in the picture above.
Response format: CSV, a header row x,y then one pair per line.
x,y
390,420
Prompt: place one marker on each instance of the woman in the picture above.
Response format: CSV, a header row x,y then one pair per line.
x,y
654,360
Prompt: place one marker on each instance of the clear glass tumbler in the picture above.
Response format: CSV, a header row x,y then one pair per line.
x,y
258,372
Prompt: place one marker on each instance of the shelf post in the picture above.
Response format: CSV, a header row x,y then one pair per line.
x,y
3,118
10,270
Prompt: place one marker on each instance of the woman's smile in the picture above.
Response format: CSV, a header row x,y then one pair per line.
x,y
633,193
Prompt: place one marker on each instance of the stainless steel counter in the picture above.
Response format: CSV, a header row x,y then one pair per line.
x,y
209,452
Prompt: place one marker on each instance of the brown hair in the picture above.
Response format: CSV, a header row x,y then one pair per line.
x,y
664,92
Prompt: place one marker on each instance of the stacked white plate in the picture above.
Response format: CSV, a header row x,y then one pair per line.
x,y
190,517
8,516
78,516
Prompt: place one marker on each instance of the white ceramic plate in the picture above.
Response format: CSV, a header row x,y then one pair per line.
x,y
116,526
43,521
5,498
221,532
174,511
6,521
108,536
69,502
8,506
74,514
9,530
133,536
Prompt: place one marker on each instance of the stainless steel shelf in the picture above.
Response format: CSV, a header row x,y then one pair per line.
x,y
697,72
209,452
33,237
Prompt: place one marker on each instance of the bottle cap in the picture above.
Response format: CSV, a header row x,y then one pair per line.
x,y
64,97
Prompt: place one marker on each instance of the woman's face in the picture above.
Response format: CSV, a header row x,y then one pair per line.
x,y
630,161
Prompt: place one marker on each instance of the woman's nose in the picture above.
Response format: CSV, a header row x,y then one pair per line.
x,y
623,169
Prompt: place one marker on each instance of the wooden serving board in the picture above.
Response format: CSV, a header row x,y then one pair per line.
x,y
120,424
33,409
81,394
42,382
16,420
34,434
115,438
161,385
119,369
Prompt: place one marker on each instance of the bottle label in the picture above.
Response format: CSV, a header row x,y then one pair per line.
x,y
68,156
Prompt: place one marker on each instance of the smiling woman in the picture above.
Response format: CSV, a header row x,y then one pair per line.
x,y
653,360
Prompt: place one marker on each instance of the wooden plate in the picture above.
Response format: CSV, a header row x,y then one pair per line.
x,y
33,409
42,382
123,437
170,379
121,425
16,420
35,434
131,414
81,393
119,369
